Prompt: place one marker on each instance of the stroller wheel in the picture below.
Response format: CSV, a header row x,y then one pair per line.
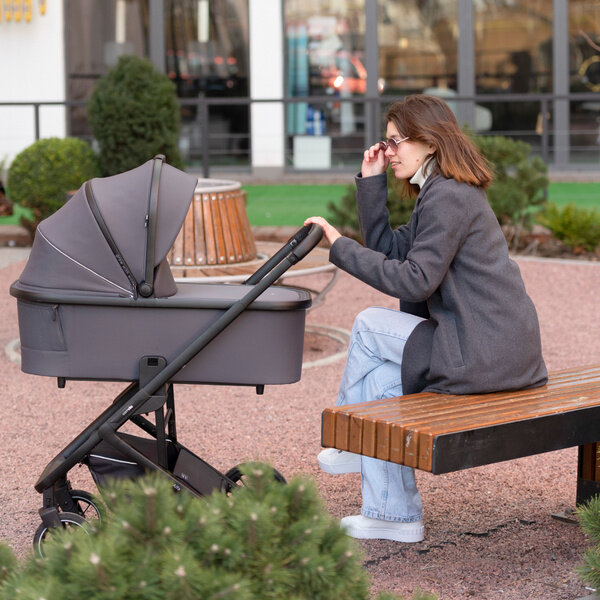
x,y
87,506
235,474
67,520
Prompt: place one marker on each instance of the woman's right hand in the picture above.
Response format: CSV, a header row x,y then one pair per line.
x,y
375,162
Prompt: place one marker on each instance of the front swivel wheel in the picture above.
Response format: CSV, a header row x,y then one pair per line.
x,y
67,520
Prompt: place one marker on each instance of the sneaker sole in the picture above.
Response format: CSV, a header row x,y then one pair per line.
x,y
339,469
409,537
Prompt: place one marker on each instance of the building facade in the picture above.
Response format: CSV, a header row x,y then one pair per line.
x,y
274,86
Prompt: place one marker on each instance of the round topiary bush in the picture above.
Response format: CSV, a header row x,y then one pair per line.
x,y
42,174
134,115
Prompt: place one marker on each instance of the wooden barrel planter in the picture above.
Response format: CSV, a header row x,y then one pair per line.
x,y
216,231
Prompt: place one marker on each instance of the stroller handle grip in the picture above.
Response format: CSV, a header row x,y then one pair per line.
x,y
296,248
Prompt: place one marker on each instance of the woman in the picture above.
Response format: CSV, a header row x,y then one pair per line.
x,y
465,325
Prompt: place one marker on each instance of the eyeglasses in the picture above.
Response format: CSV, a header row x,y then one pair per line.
x,y
392,143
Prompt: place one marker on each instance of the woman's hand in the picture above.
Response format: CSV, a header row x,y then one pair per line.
x,y
329,231
375,162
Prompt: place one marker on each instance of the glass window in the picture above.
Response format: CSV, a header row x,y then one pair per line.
x,y
513,46
584,69
325,57
417,46
207,56
96,33
513,54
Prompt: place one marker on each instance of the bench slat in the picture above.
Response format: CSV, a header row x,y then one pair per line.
x,y
409,430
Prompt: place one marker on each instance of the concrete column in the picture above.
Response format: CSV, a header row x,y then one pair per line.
x,y
266,82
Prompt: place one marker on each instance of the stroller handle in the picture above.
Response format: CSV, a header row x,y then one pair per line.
x,y
295,249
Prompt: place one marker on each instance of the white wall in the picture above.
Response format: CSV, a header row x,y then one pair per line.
x,y
266,82
32,68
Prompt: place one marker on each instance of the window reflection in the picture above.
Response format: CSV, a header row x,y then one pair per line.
x,y
325,57
584,72
417,45
207,56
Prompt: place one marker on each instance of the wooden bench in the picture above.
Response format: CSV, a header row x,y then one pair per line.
x,y
443,433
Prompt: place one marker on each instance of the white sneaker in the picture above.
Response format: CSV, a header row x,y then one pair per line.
x,y
336,461
365,528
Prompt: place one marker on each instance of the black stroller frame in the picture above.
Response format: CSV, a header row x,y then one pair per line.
x,y
152,390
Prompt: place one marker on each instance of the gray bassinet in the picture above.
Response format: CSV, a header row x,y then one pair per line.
x,y
97,294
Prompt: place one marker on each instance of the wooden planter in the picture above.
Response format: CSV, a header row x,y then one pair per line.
x,y
216,230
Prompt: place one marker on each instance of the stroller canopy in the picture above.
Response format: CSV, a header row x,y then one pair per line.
x,y
113,235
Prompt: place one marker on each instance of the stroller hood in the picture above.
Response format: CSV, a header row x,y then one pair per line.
x,y
112,233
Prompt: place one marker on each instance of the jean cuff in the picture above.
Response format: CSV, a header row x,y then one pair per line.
x,y
374,514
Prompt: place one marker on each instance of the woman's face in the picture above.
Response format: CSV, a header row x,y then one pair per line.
x,y
409,156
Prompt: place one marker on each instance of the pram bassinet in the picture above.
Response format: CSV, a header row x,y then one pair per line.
x,y
90,306
97,301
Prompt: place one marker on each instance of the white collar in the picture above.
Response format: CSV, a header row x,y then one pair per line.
x,y
423,172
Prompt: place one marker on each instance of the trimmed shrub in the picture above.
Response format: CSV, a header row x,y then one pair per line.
x,y
264,541
42,174
577,228
134,115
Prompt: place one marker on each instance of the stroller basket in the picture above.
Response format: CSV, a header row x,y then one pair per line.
x,y
97,301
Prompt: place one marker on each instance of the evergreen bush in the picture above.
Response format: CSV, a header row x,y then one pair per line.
x,y
344,214
42,174
519,189
134,115
588,515
577,228
264,541
517,194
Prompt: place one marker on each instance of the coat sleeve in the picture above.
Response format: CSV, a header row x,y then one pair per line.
x,y
443,223
373,218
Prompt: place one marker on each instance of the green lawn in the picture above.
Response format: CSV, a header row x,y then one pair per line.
x,y
291,204
582,194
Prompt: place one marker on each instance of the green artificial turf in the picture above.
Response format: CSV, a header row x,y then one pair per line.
x,y
15,218
584,195
290,204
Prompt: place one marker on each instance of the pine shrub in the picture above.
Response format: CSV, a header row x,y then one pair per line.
x,y
264,541
345,216
576,227
134,115
42,174
519,189
588,515
517,194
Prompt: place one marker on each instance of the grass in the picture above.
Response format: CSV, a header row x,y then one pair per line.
x,y
291,204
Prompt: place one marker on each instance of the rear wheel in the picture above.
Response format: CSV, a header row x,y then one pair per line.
x,y
235,474
67,520
87,506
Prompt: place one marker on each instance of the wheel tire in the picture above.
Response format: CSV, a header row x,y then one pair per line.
x,y
67,519
235,474
88,506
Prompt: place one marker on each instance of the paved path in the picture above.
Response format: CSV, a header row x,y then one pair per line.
x,y
489,531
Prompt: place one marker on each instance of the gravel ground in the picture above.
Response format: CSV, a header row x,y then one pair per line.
x,y
489,531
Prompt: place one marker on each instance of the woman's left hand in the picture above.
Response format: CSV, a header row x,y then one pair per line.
x,y
330,232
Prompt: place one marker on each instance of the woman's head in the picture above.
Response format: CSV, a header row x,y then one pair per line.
x,y
433,132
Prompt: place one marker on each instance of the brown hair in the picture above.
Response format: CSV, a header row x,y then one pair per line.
x,y
428,119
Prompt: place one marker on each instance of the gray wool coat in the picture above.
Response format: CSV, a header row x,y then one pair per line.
x,y
449,264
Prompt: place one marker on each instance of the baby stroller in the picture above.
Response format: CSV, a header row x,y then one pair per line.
x,y
97,301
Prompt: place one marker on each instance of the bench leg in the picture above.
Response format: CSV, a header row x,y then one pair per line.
x,y
588,472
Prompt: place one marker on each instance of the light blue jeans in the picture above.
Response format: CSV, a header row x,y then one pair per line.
x,y
373,372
